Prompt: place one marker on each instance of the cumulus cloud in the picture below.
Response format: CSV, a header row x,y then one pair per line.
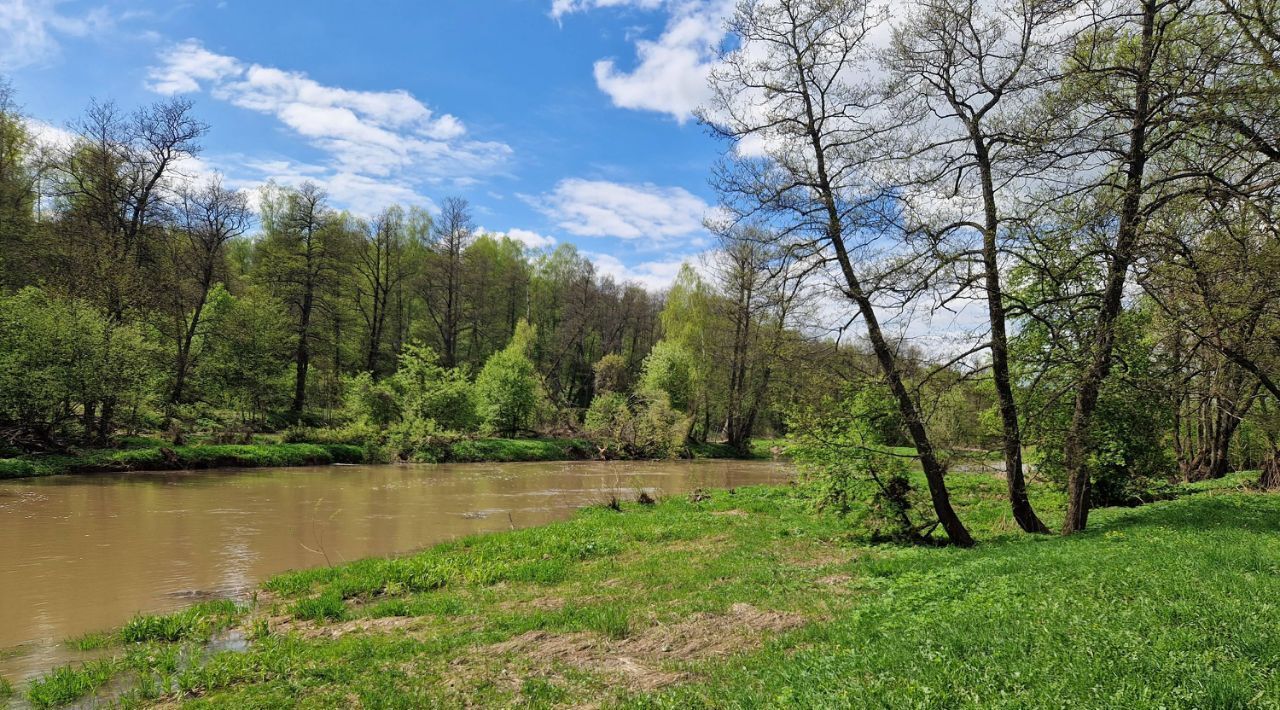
x,y
652,275
368,136
599,208
529,238
560,8
30,30
670,72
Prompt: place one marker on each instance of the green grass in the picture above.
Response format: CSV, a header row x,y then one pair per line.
x,y
67,684
474,450
194,623
1170,605
149,454
180,458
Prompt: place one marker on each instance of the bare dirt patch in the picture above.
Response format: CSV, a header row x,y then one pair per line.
x,y
368,625
640,662
733,513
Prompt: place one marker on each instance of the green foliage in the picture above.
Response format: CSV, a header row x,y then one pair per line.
x,y
508,392
245,362
369,402
427,391
66,684
643,425
847,466
57,353
669,368
1129,452
611,374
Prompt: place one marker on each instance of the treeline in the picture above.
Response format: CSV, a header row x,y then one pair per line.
x,y
139,298
1101,179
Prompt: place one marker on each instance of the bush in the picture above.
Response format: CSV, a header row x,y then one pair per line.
x,y
637,426
847,468
508,392
428,392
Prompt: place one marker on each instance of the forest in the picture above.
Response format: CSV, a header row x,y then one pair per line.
x,y
985,346
1096,186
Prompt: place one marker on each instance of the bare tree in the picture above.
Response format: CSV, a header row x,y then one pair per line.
x,y
452,232
960,68
383,264
207,219
787,91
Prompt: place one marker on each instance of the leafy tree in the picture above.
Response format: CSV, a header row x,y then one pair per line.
x,y
507,389
669,368
428,391
611,374
247,356
56,354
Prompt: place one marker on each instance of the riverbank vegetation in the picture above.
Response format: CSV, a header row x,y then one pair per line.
x,y
1098,205
750,596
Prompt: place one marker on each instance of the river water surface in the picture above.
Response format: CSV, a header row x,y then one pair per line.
x,y
85,553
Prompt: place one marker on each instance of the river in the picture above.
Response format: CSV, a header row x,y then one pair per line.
x,y
85,553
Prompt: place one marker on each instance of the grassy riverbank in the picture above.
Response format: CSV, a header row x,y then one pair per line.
x,y
142,454
748,598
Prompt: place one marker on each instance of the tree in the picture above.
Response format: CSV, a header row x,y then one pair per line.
x,y
961,67
787,88
1123,104
384,263
207,219
17,190
611,374
55,354
245,365
112,185
452,232
669,369
507,388
300,260
427,391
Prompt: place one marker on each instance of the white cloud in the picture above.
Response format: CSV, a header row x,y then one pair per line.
x,y
185,65
369,137
598,208
559,8
670,74
652,275
30,30
529,238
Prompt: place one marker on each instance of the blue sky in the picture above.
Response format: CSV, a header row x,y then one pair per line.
x,y
564,120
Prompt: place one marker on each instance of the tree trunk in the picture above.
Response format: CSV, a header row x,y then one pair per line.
x,y
1117,271
1012,436
1270,478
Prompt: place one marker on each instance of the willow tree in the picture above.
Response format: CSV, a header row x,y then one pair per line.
x,y
789,99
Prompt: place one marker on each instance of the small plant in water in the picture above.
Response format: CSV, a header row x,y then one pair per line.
x,y
67,683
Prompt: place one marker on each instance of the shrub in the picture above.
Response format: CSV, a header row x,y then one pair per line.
x,y
640,426
508,392
427,391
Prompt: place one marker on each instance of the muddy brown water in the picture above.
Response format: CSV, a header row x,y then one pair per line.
x,y
85,553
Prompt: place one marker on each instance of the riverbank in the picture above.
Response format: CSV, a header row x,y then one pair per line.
x,y
142,454
747,597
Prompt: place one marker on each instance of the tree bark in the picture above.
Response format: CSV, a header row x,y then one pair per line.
x,y
1099,365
